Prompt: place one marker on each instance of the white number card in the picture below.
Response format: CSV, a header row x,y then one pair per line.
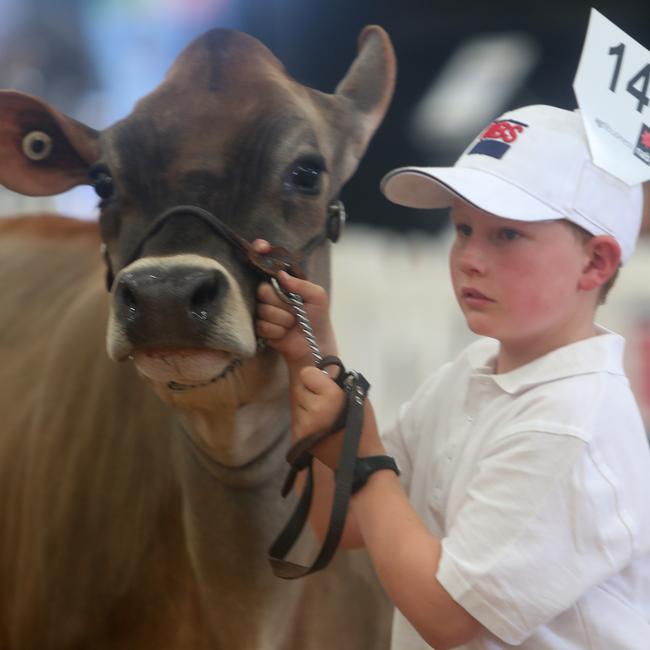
x,y
612,86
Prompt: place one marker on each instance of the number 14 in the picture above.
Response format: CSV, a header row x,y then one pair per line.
x,y
637,86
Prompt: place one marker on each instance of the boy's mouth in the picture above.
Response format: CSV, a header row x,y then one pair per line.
x,y
473,294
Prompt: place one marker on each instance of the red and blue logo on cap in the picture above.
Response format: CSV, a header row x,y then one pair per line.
x,y
497,138
642,149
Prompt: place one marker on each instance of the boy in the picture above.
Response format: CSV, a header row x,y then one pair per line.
x,y
522,513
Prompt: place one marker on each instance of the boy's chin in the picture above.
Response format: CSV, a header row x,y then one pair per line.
x,y
478,324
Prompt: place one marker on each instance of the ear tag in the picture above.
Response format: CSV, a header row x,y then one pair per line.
x,y
37,145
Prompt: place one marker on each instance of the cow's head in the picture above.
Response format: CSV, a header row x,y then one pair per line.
x,y
230,133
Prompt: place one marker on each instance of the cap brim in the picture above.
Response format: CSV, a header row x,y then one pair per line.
x,y
436,187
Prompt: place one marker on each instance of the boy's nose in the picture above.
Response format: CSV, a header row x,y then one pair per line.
x,y
471,259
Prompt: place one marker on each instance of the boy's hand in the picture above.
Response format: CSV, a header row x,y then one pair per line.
x,y
318,402
277,323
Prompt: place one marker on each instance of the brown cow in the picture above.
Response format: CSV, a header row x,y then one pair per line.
x,y
134,518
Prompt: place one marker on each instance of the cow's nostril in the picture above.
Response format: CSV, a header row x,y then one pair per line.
x,y
204,297
129,301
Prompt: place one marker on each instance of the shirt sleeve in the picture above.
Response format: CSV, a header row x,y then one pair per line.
x,y
539,526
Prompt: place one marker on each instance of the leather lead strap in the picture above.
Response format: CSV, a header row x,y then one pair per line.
x,y
356,388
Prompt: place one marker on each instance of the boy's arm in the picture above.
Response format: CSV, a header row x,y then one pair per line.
x,y
403,551
406,557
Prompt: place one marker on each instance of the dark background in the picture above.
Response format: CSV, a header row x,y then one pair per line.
x,y
47,48
316,47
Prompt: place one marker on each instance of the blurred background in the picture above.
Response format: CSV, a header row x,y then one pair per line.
x,y
460,64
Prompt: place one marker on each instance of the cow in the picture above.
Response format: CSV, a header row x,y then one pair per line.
x,y
140,489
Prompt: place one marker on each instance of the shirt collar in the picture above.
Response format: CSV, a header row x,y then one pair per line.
x,y
600,353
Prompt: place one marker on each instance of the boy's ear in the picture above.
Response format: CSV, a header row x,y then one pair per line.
x,y
604,259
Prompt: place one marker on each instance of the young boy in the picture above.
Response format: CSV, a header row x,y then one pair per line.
x,y
522,513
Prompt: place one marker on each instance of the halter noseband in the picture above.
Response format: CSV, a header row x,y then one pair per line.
x,y
269,264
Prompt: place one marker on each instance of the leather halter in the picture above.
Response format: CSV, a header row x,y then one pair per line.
x,y
269,264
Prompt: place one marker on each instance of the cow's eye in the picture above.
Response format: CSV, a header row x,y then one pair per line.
x,y
305,176
37,145
101,180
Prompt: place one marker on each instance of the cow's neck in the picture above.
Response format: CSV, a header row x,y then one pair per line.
x,y
239,425
229,528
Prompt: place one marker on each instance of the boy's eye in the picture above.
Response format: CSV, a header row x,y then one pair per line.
x,y
463,229
509,234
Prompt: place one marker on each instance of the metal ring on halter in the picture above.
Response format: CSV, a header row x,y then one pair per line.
x,y
336,219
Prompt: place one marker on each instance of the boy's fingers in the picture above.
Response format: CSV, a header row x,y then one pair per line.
x,y
308,291
269,331
275,315
266,294
317,381
261,246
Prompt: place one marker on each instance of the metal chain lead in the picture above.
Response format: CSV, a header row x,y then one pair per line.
x,y
305,325
298,307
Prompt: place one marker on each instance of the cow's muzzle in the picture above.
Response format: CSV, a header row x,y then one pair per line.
x,y
179,302
182,299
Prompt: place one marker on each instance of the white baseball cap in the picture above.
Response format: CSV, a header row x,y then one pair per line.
x,y
530,164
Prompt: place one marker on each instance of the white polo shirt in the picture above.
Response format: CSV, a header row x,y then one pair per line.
x,y
538,483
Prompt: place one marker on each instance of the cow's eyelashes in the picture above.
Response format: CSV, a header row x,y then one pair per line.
x,y
101,180
305,175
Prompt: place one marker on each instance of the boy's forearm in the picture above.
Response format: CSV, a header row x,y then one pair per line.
x,y
370,445
324,483
406,555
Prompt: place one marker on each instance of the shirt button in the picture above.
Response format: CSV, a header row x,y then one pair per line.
x,y
469,418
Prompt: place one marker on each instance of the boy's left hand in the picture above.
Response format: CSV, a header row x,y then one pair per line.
x,y
318,402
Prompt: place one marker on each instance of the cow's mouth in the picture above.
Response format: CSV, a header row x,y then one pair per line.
x,y
184,369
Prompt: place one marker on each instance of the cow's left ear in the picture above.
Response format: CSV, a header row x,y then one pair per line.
x,y
365,92
42,151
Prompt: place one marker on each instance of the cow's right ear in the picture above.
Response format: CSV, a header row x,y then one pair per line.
x,y
42,151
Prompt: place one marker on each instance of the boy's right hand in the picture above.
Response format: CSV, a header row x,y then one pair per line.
x,y
277,324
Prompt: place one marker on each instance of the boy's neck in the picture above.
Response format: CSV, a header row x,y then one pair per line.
x,y
513,355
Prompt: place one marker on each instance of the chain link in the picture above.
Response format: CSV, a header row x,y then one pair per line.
x,y
305,325
298,306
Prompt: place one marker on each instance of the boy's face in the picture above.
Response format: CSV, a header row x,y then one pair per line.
x,y
517,281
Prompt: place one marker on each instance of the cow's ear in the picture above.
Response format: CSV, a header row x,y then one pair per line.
x,y
367,89
42,151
